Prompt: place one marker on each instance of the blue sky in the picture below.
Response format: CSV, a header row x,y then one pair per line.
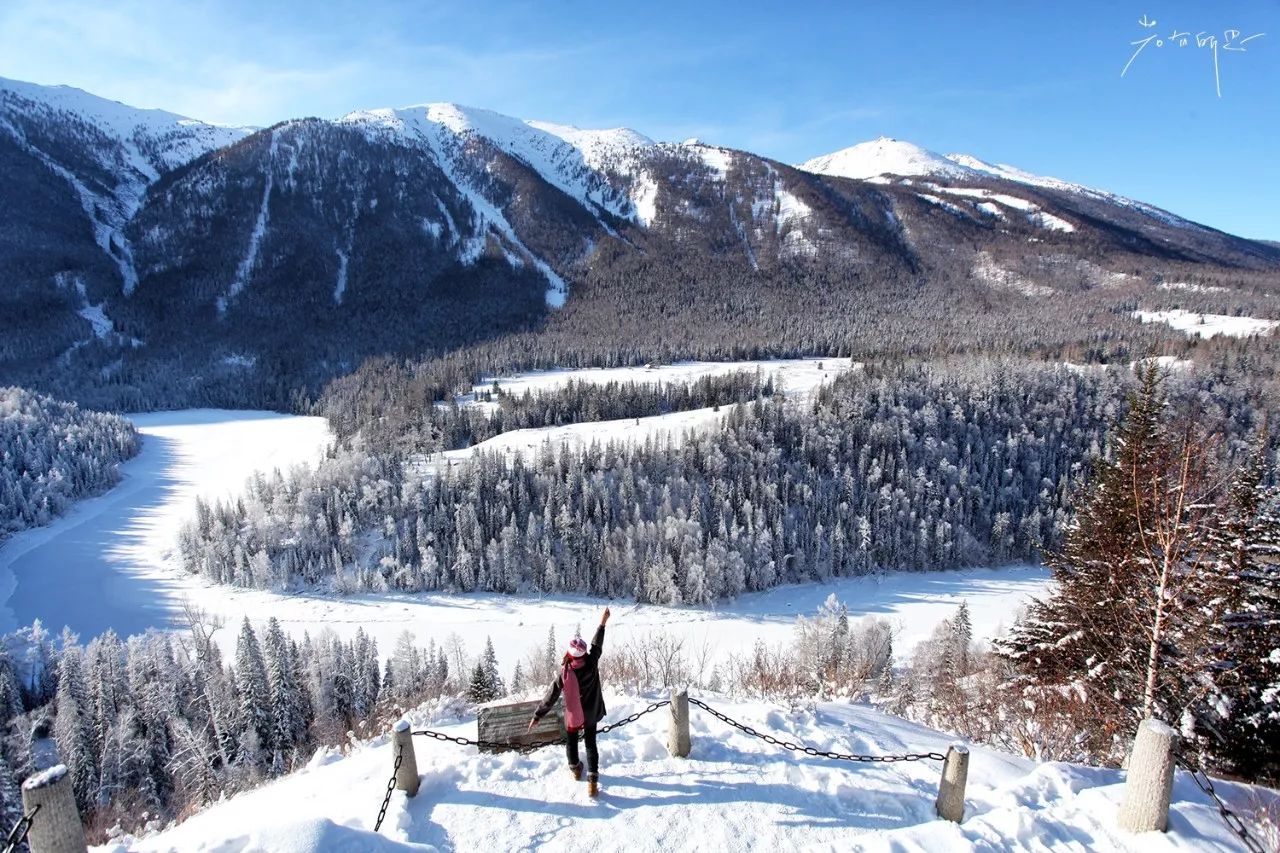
x,y
1033,84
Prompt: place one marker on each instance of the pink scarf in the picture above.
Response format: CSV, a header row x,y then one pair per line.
x,y
574,717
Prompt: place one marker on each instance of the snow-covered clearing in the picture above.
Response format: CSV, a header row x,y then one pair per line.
x,y
795,376
1196,324
734,792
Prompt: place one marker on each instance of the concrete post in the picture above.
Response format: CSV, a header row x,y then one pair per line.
x,y
955,775
1149,785
407,775
56,828
678,732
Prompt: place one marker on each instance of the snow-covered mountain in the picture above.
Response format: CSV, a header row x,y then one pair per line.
x,y
886,158
107,151
140,242
734,792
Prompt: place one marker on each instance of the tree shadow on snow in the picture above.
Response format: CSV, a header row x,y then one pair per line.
x,y
89,572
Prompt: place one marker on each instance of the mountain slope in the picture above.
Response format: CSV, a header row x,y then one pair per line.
x,y
154,260
733,792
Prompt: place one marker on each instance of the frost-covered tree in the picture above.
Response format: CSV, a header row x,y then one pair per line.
x,y
1142,589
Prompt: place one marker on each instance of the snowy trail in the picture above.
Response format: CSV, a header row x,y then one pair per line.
x,y
734,792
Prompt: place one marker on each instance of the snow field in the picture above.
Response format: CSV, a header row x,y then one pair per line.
x,y
734,792
1200,325
109,562
796,376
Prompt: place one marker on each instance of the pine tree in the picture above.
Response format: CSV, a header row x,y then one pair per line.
x,y
1240,718
962,639
1126,632
254,690
490,663
73,728
284,693
479,690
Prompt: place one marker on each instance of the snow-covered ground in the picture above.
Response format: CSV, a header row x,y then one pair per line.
x,y
913,603
1208,325
110,563
734,792
796,376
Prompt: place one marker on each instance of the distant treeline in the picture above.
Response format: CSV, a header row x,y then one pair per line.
x,y
450,426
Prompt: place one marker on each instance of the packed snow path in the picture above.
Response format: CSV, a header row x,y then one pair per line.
x,y
734,792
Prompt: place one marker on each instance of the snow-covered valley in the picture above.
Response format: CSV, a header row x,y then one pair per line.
x,y
111,562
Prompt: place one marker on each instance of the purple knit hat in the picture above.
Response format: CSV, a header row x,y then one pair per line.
x,y
577,647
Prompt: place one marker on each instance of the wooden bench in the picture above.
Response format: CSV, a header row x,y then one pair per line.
x,y
507,722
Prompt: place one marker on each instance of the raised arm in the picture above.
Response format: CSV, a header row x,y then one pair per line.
x,y
597,642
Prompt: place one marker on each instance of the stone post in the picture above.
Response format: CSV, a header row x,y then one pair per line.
x,y
407,775
1149,785
678,732
955,774
56,827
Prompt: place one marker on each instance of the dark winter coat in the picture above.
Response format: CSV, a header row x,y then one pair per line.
x,y
588,685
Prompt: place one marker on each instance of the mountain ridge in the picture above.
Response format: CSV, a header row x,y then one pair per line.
x,y
146,250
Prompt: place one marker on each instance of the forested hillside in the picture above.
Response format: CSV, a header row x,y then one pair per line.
x,y
53,453
912,468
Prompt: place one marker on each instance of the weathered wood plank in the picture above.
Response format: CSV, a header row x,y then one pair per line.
x,y
507,723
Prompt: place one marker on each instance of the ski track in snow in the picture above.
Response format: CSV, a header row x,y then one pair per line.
x,y
733,792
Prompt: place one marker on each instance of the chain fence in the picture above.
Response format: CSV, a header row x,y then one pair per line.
x,y
489,744
18,834
391,786
809,750
1230,818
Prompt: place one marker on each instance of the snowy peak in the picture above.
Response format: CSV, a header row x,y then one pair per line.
x,y
570,159
600,148
884,156
161,140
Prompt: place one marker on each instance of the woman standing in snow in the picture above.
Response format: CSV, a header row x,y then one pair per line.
x,y
579,680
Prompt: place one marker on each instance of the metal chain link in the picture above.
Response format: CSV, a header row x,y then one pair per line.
x,y
655,706
1230,818
391,786
809,750
18,834
538,744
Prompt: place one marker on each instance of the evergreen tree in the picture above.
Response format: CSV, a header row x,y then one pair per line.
x,y
73,727
490,663
962,639
1128,630
479,689
254,689
1240,718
